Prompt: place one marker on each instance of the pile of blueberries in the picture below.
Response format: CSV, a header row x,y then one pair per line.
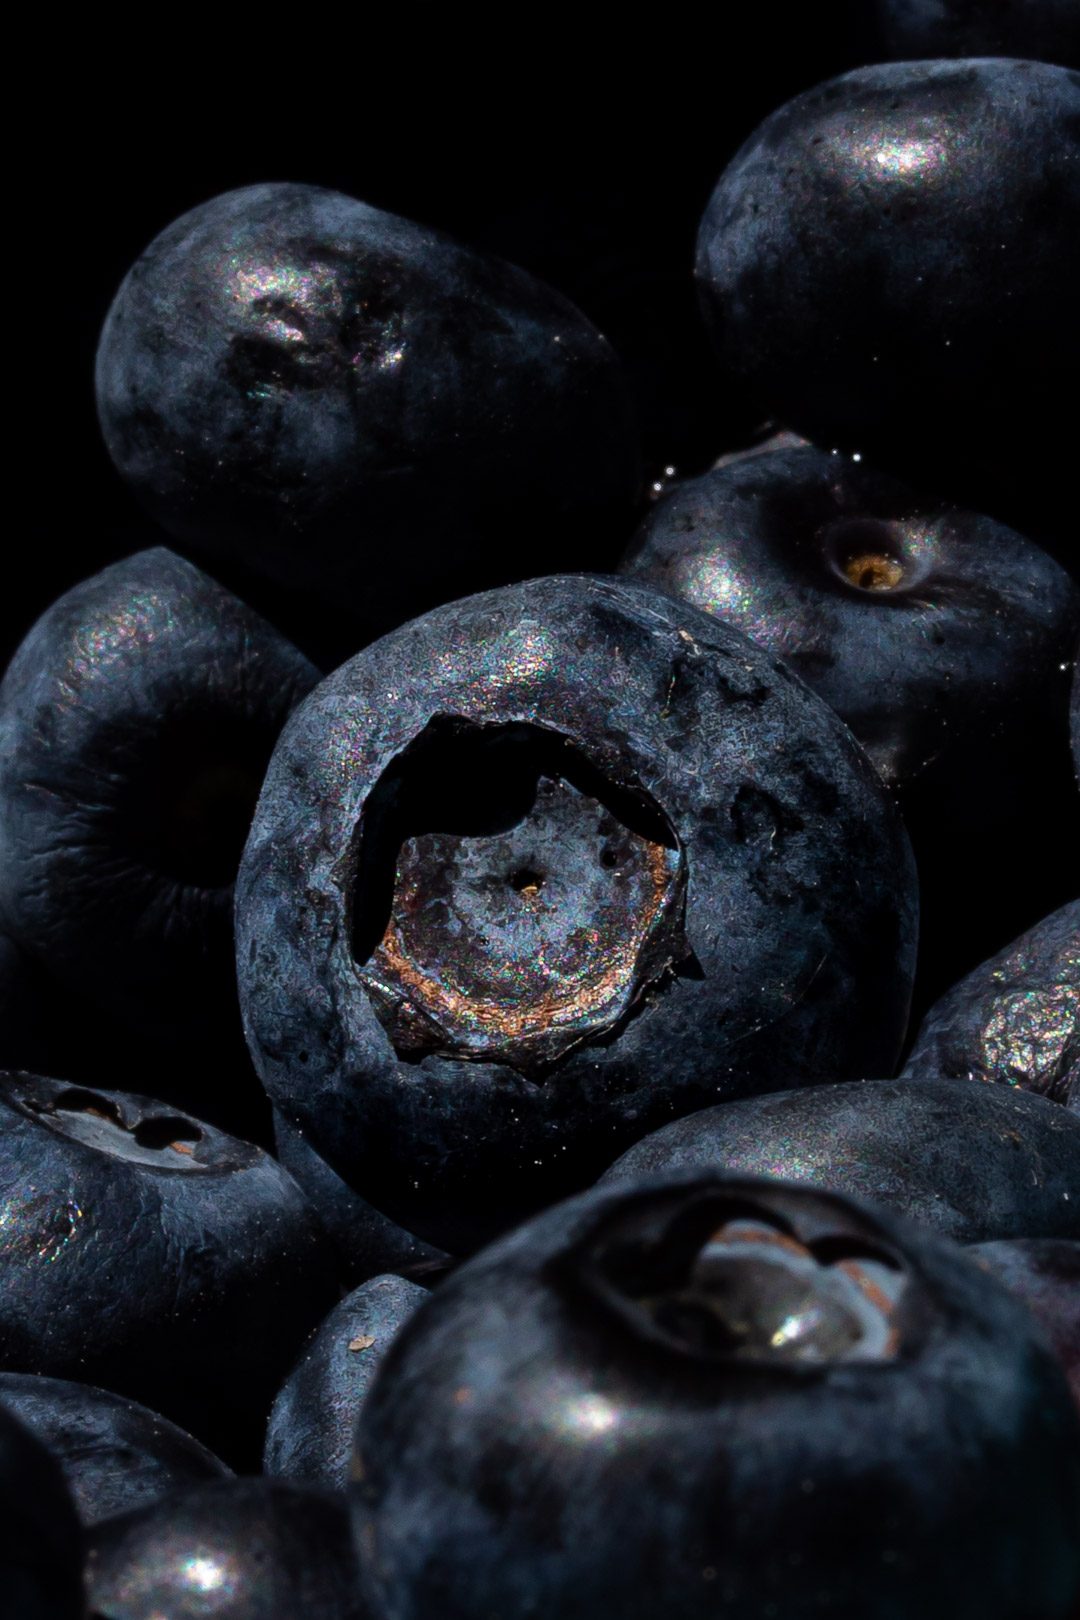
x,y
539,968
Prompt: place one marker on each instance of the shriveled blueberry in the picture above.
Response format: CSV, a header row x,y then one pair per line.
x,y
544,869
711,1394
1045,1274
1015,1019
354,405
40,1539
1048,30
149,1253
136,720
888,263
973,1162
927,628
312,1422
248,1549
367,1241
116,1455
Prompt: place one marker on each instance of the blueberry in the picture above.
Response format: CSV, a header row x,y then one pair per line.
x,y
136,720
353,405
710,1394
887,263
925,627
249,1549
973,1162
1015,1019
1046,29
1045,1274
310,1433
544,869
40,1540
367,1241
149,1253
116,1455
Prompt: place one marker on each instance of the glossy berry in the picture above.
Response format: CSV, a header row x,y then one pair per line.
x,y
136,720
147,1252
310,1433
353,405
116,1455
709,1394
544,869
40,1539
973,1162
887,262
927,628
248,1549
1015,1019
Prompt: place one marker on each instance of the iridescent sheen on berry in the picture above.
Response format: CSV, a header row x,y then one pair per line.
x,y
1015,1019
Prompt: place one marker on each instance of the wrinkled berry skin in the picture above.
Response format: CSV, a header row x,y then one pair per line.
x,y
40,1539
312,1422
548,1435
136,720
1046,30
972,1162
150,1254
248,1549
116,1455
1015,1019
888,263
922,625
350,403
775,935
368,1242
1045,1274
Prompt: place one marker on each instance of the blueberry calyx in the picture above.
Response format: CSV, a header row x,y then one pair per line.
x,y
737,1279
867,554
124,1128
510,899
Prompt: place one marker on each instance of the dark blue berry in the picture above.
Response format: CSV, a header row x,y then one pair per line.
x,y
709,1394
545,868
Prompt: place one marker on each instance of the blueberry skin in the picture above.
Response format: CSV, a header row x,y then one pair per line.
x,y
923,626
368,1243
1015,1019
352,404
972,1162
788,896
888,263
116,1455
150,1254
1047,30
1045,1274
312,1422
40,1538
248,1549
136,720
537,1442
